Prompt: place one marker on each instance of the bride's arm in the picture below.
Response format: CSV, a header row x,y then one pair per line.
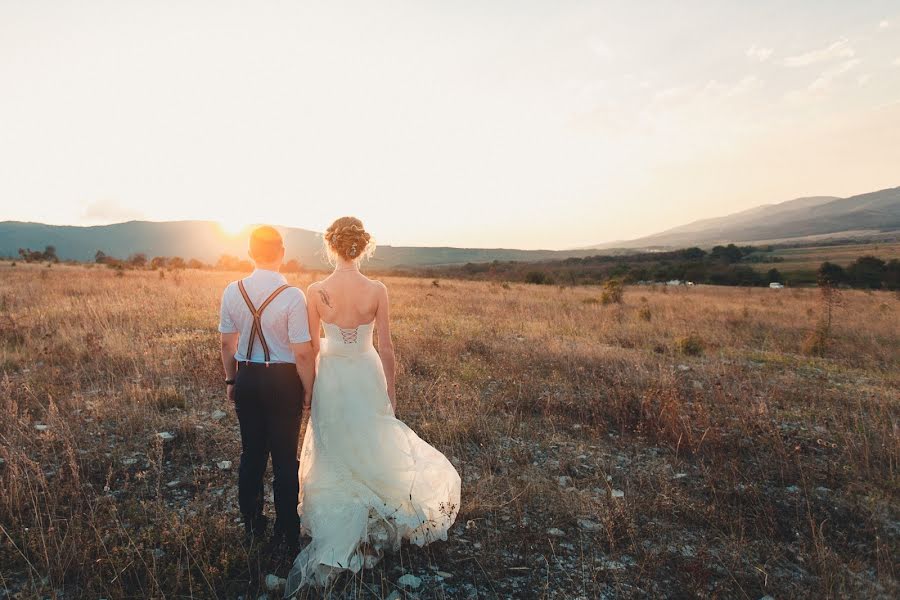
x,y
312,311
385,345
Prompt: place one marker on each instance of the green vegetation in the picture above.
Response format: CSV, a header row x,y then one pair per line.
x,y
722,265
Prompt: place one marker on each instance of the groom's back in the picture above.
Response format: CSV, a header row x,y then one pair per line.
x,y
284,319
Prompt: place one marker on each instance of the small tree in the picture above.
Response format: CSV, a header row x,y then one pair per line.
x,y
866,272
138,260
176,262
158,262
831,274
100,257
774,276
50,254
819,340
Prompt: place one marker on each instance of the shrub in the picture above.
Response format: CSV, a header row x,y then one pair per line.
x,y
169,397
645,314
691,345
613,291
537,278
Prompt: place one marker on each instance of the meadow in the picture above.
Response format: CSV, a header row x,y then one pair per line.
x,y
807,259
686,442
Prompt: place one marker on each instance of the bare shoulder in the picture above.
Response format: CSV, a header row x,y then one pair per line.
x,y
376,284
378,287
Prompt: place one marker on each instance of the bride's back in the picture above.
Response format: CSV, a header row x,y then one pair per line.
x,y
346,298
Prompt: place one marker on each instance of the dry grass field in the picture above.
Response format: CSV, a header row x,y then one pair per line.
x,y
810,258
681,444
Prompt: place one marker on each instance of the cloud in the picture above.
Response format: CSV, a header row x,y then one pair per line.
x,y
824,83
864,79
108,211
839,49
715,89
759,53
884,24
897,62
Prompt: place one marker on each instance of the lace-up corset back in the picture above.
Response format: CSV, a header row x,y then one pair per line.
x,y
346,341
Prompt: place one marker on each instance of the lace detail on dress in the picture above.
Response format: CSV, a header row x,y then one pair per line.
x,y
349,335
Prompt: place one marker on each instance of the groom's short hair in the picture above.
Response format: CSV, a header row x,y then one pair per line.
x,y
266,244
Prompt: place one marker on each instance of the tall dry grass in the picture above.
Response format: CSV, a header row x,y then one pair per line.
x,y
682,443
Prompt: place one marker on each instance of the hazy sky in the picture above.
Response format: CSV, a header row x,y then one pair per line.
x,y
485,123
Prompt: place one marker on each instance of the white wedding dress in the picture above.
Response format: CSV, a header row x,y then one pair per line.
x,y
367,481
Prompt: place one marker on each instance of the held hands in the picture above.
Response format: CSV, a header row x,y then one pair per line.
x,y
307,401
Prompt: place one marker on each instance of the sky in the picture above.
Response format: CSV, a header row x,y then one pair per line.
x,y
519,123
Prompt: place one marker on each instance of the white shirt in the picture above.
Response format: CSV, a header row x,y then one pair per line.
x,y
284,321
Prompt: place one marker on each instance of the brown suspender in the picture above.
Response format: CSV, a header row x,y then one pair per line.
x,y
256,329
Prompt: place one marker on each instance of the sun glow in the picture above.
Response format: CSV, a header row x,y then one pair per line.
x,y
232,226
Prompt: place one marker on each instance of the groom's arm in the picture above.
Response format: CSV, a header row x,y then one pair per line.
x,y
230,337
229,348
302,346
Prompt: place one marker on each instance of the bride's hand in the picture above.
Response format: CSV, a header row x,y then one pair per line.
x,y
307,401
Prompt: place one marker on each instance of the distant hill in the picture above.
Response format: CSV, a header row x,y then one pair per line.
x,y
794,220
206,241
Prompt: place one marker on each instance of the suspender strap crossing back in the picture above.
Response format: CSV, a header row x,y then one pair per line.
x,y
256,329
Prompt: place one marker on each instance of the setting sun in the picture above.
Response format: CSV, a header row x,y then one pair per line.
x,y
232,226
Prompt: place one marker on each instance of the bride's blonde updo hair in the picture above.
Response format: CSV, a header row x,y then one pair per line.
x,y
348,239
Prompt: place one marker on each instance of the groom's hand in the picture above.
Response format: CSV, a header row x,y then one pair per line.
x,y
229,393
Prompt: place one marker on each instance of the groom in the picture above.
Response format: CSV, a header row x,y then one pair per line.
x,y
269,371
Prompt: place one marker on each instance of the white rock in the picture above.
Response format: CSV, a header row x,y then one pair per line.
x,y
395,595
411,581
556,532
224,465
218,415
697,385
618,494
41,427
173,484
444,574
792,489
165,436
565,481
129,461
274,583
683,368
611,565
588,525
679,475
767,597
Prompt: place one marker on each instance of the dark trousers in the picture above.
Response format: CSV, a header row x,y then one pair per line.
x,y
269,405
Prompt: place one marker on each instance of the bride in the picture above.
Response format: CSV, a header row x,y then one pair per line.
x,y
367,481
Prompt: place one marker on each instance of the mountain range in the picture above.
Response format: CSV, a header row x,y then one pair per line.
x,y
802,219
861,216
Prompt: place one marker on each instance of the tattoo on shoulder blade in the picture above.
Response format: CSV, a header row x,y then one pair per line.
x,y
324,296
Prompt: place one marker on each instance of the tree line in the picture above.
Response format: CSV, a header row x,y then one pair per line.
x,y
722,265
140,260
